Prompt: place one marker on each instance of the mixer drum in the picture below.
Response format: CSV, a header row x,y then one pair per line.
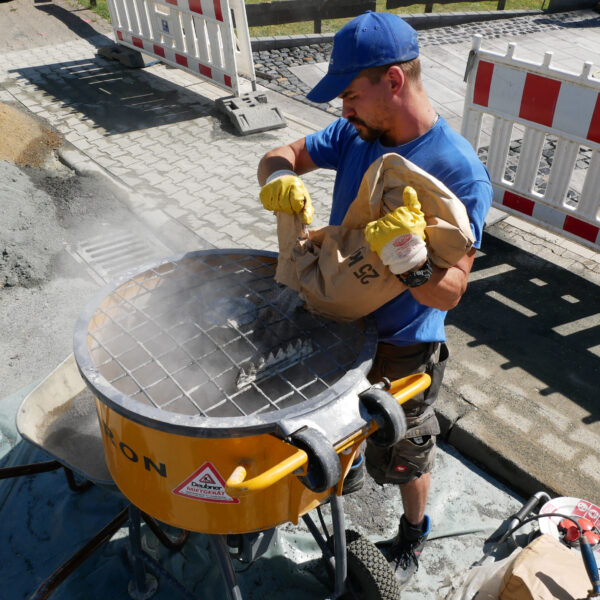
x,y
201,364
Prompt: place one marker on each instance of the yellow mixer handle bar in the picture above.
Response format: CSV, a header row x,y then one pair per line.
x,y
405,388
236,485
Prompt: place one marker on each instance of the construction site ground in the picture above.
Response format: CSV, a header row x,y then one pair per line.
x,y
90,149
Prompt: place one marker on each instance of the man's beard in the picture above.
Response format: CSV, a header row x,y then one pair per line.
x,y
366,133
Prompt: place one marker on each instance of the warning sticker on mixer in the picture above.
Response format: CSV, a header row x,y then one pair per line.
x,y
205,484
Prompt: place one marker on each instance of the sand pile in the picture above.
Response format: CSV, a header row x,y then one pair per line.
x,y
23,139
30,234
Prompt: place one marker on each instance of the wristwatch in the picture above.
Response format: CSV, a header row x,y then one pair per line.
x,y
419,277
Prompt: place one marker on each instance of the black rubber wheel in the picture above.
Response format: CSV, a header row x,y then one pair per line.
x,y
389,414
370,577
324,467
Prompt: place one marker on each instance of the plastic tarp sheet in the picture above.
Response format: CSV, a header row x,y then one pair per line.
x,y
44,523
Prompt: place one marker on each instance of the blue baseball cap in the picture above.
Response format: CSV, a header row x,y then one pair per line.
x,y
369,40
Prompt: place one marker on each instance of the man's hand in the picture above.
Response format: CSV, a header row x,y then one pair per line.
x,y
399,237
285,191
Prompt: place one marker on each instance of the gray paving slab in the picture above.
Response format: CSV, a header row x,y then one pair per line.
x,y
447,69
521,393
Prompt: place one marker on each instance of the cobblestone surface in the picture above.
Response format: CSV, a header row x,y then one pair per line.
x,y
273,66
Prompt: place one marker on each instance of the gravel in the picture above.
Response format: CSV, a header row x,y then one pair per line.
x,y
47,210
26,249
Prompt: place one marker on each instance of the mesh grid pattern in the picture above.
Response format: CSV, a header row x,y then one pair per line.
x,y
176,336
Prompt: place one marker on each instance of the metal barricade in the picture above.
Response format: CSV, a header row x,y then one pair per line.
x,y
537,129
208,38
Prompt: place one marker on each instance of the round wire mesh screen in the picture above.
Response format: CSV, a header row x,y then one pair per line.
x,y
211,334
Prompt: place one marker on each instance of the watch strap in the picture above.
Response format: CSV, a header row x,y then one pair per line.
x,y
418,277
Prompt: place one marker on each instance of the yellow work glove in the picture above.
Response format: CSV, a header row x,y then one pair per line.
x,y
399,237
285,191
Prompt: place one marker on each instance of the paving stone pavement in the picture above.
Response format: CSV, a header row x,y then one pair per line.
x,y
157,133
166,142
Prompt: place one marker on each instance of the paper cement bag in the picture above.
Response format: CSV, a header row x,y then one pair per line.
x,y
482,582
339,277
290,230
335,271
546,570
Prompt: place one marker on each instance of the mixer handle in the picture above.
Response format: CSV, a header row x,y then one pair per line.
x,y
405,388
237,485
323,469
383,403
322,472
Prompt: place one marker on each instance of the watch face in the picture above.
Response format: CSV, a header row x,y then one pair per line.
x,y
419,277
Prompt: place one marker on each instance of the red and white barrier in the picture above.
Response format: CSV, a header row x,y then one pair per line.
x,y
194,35
540,103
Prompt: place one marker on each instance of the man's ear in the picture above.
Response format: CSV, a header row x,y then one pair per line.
x,y
396,77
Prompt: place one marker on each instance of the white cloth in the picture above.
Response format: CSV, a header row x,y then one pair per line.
x,y
404,253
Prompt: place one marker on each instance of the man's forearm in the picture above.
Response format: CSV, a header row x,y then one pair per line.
x,y
275,160
293,157
446,286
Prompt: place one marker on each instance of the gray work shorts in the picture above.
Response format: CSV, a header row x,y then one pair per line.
x,y
414,455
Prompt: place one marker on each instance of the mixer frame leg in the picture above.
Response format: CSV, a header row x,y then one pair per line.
x,y
218,545
143,585
339,544
336,562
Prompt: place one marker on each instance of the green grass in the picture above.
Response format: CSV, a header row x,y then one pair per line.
x,y
333,25
99,7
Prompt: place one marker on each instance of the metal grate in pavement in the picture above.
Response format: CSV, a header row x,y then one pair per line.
x,y
111,254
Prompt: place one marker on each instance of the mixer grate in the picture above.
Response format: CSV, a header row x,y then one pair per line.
x,y
182,337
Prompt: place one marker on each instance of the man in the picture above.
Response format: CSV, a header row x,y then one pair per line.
x,y
375,70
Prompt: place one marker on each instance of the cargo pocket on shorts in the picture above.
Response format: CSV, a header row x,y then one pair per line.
x,y
413,458
436,372
407,460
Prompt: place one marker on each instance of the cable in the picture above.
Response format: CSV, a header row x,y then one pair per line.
x,y
456,532
322,520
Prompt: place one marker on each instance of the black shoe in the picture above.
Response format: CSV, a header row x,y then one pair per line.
x,y
402,552
355,478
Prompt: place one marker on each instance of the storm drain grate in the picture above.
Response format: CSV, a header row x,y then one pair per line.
x,y
113,253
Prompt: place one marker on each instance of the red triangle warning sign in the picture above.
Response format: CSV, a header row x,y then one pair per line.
x,y
205,484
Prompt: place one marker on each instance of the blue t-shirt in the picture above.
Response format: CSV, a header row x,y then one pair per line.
x,y
441,152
